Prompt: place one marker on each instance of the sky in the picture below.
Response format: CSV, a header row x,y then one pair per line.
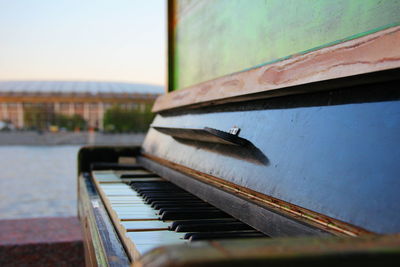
x,y
83,40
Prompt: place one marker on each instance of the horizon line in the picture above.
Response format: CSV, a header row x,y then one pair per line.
x,y
81,80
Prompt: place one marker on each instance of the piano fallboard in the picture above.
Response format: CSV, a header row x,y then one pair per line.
x,y
333,153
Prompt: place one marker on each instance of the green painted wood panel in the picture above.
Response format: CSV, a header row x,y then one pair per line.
x,y
214,38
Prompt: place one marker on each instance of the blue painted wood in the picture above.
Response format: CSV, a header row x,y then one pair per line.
x,y
327,152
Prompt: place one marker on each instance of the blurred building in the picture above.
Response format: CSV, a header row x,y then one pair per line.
x,y
89,100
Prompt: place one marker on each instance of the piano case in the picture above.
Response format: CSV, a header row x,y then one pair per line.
x,y
282,115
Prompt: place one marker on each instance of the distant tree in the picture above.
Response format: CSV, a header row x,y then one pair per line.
x,y
119,120
69,122
36,117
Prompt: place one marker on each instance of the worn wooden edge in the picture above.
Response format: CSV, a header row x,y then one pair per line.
x,y
94,250
299,251
372,53
171,24
307,216
129,246
107,247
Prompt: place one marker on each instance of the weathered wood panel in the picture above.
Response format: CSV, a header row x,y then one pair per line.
x,y
219,37
372,53
318,151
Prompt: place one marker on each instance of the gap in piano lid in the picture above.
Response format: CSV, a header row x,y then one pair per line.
x,y
377,91
218,142
248,153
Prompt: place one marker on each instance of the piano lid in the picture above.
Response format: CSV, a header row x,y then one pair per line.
x,y
221,51
317,103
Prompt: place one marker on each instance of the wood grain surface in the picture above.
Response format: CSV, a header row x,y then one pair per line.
x,y
211,39
375,52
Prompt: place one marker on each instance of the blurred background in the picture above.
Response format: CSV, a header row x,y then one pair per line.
x,y
72,73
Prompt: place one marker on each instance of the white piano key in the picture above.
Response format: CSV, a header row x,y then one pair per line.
x,y
136,209
119,191
116,194
134,172
126,204
133,202
130,217
130,196
115,187
145,225
156,238
137,217
152,179
105,175
126,198
129,199
144,248
137,203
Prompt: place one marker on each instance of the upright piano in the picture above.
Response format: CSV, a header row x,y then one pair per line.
x,y
276,143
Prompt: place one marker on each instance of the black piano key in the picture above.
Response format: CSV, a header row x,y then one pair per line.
x,y
181,198
153,184
180,205
167,195
175,224
213,227
175,202
152,199
223,235
172,197
155,187
159,190
186,209
165,186
187,215
143,175
150,183
199,219
144,193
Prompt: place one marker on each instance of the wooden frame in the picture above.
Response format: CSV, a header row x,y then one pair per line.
x,y
101,242
372,53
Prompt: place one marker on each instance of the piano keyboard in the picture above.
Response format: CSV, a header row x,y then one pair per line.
x,y
153,212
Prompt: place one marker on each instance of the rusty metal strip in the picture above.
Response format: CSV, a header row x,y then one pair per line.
x,y
321,221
